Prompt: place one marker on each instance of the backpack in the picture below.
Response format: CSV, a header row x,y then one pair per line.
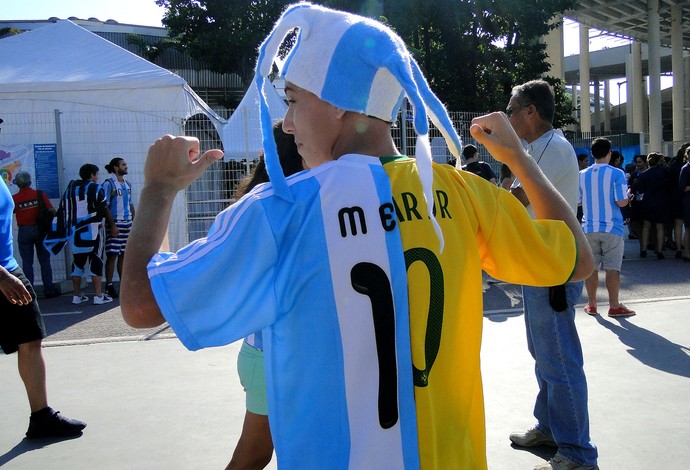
x,y
44,219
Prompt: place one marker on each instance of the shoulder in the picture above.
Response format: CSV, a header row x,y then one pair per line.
x,y
618,172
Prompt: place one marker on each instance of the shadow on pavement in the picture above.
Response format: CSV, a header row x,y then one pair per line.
x,y
60,314
545,452
29,445
650,348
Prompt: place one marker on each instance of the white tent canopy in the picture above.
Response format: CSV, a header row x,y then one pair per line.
x,y
64,85
242,134
63,64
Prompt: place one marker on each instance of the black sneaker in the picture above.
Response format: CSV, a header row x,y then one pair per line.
x,y
111,291
48,423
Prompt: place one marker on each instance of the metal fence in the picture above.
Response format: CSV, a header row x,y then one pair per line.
x,y
195,210
215,189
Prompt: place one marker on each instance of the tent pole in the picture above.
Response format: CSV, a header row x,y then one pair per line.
x,y
61,180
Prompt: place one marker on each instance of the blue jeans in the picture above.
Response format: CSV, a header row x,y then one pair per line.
x,y
561,405
29,238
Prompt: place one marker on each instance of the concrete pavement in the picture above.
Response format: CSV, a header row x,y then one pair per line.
x,y
151,404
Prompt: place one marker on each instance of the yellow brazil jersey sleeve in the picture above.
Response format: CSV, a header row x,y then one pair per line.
x,y
484,227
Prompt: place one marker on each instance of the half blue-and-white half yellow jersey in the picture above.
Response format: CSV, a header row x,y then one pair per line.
x,y
326,277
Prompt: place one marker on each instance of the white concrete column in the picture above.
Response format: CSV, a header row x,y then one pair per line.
x,y
678,75
554,50
576,96
654,61
585,113
607,106
597,106
629,85
687,96
636,98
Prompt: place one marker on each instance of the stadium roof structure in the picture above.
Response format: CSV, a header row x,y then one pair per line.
x,y
629,19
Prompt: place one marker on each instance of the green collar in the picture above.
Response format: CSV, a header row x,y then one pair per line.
x,y
385,160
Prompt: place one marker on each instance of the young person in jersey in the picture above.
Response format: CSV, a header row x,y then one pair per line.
x,y
603,190
254,449
118,197
30,236
369,304
561,407
79,221
684,189
473,165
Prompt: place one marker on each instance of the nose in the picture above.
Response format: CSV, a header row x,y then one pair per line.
x,y
288,123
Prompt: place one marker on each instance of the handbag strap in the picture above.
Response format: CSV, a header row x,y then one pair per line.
x,y
41,204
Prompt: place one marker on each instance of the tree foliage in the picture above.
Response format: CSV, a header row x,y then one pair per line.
x,y
472,51
225,34
6,32
151,51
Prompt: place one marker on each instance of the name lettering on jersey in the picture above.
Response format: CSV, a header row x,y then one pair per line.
x,y
353,214
354,217
386,212
410,203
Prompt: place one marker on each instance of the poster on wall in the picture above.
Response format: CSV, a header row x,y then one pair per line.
x,y
13,159
45,163
40,161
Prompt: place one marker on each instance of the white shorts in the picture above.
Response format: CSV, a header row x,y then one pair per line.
x,y
607,249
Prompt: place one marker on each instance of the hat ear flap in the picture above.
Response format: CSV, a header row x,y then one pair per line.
x,y
437,112
291,19
403,70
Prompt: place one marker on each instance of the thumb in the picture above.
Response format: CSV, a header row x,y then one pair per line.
x,y
212,155
478,133
209,157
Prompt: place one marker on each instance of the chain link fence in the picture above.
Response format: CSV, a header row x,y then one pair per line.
x,y
195,209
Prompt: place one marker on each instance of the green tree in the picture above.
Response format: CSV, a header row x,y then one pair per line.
x,y
151,51
472,51
224,34
6,32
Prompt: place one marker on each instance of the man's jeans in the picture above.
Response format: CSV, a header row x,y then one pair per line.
x,y
29,238
561,405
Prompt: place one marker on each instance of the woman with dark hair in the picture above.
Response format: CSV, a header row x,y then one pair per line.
x,y
255,447
507,177
653,184
684,188
675,230
616,159
635,213
290,161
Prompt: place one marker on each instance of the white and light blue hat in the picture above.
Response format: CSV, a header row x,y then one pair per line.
x,y
356,64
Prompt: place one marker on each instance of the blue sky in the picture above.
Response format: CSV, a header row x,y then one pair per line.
x,y
141,12
146,12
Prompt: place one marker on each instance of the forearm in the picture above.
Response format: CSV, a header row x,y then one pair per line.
x,y
547,203
497,135
138,304
109,217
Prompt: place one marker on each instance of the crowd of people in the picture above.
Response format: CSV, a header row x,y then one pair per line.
x,y
659,204
88,209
